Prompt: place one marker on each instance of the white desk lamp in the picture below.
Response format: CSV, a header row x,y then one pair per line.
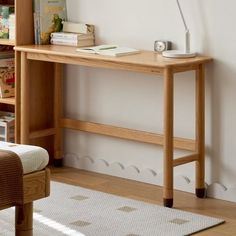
x,y
181,54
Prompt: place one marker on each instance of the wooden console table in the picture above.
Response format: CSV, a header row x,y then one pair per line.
x,y
145,62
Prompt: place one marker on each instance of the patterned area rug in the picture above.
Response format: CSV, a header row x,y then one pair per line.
x,y
72,210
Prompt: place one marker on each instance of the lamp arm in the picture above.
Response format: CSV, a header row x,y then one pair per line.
x,y
187,34
182,15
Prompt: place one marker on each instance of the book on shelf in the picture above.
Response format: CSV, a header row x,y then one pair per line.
x,y
7,75
73,42
12,27
48,17
109,50
74,27
5,11
6,52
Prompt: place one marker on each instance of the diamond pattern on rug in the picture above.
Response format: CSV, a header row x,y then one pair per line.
x,y
104,214
79,197
178,221
81,223
126,209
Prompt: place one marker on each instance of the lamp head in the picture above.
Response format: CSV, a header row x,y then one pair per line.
x,y
186,53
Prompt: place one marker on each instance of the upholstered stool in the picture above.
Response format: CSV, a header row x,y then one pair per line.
x,y
36,183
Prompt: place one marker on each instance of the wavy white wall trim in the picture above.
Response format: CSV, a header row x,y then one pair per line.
x,y
146,175
219,191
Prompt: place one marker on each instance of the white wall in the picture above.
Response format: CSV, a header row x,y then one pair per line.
x,y
135,100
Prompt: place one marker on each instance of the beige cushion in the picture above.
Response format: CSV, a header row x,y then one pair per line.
x,y
33,158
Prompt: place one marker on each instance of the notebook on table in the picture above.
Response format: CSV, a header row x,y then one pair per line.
x,y
109,50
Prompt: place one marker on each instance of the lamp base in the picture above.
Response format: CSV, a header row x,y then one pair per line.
x,y
178,54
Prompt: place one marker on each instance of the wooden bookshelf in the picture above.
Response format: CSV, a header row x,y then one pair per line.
x,y
24,35
9,101
7,42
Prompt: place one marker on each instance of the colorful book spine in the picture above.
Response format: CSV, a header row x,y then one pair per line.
x,y
7,77
5,11
12,28
48,17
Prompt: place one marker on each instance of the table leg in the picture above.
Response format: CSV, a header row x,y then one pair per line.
x,y
200,132
168,137
25,100
57,114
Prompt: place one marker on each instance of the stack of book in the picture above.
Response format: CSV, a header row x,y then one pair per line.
x,y
72,39
74,34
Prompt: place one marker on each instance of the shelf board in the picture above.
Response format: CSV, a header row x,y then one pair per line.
x,y
11,100
7,42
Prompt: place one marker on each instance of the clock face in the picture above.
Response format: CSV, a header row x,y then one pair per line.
x,y
160,47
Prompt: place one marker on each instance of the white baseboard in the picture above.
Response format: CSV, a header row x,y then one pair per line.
x,y
219,191
147,175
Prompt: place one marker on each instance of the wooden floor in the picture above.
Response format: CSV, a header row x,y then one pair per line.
x,y
152,194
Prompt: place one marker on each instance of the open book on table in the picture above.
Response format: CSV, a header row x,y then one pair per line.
x,y
109,50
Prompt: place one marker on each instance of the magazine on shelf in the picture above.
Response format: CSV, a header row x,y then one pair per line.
x,y
7,76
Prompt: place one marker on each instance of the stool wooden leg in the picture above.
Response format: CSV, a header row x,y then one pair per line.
x,y
200,132
24,220
168,138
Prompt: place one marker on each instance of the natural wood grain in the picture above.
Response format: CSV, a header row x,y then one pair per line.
x,y
144,62
42,133
168,133
185,159
24,35
25,100
36,185
200,127
17,97
58,96
153,194
24,220
24,22
7,42
125,133
10,100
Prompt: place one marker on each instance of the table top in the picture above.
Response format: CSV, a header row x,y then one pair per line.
x,y
148,61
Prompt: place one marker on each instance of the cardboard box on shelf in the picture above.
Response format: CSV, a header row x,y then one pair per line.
x,y
7,126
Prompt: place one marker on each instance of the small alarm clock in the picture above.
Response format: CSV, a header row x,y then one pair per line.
x,y
160,46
